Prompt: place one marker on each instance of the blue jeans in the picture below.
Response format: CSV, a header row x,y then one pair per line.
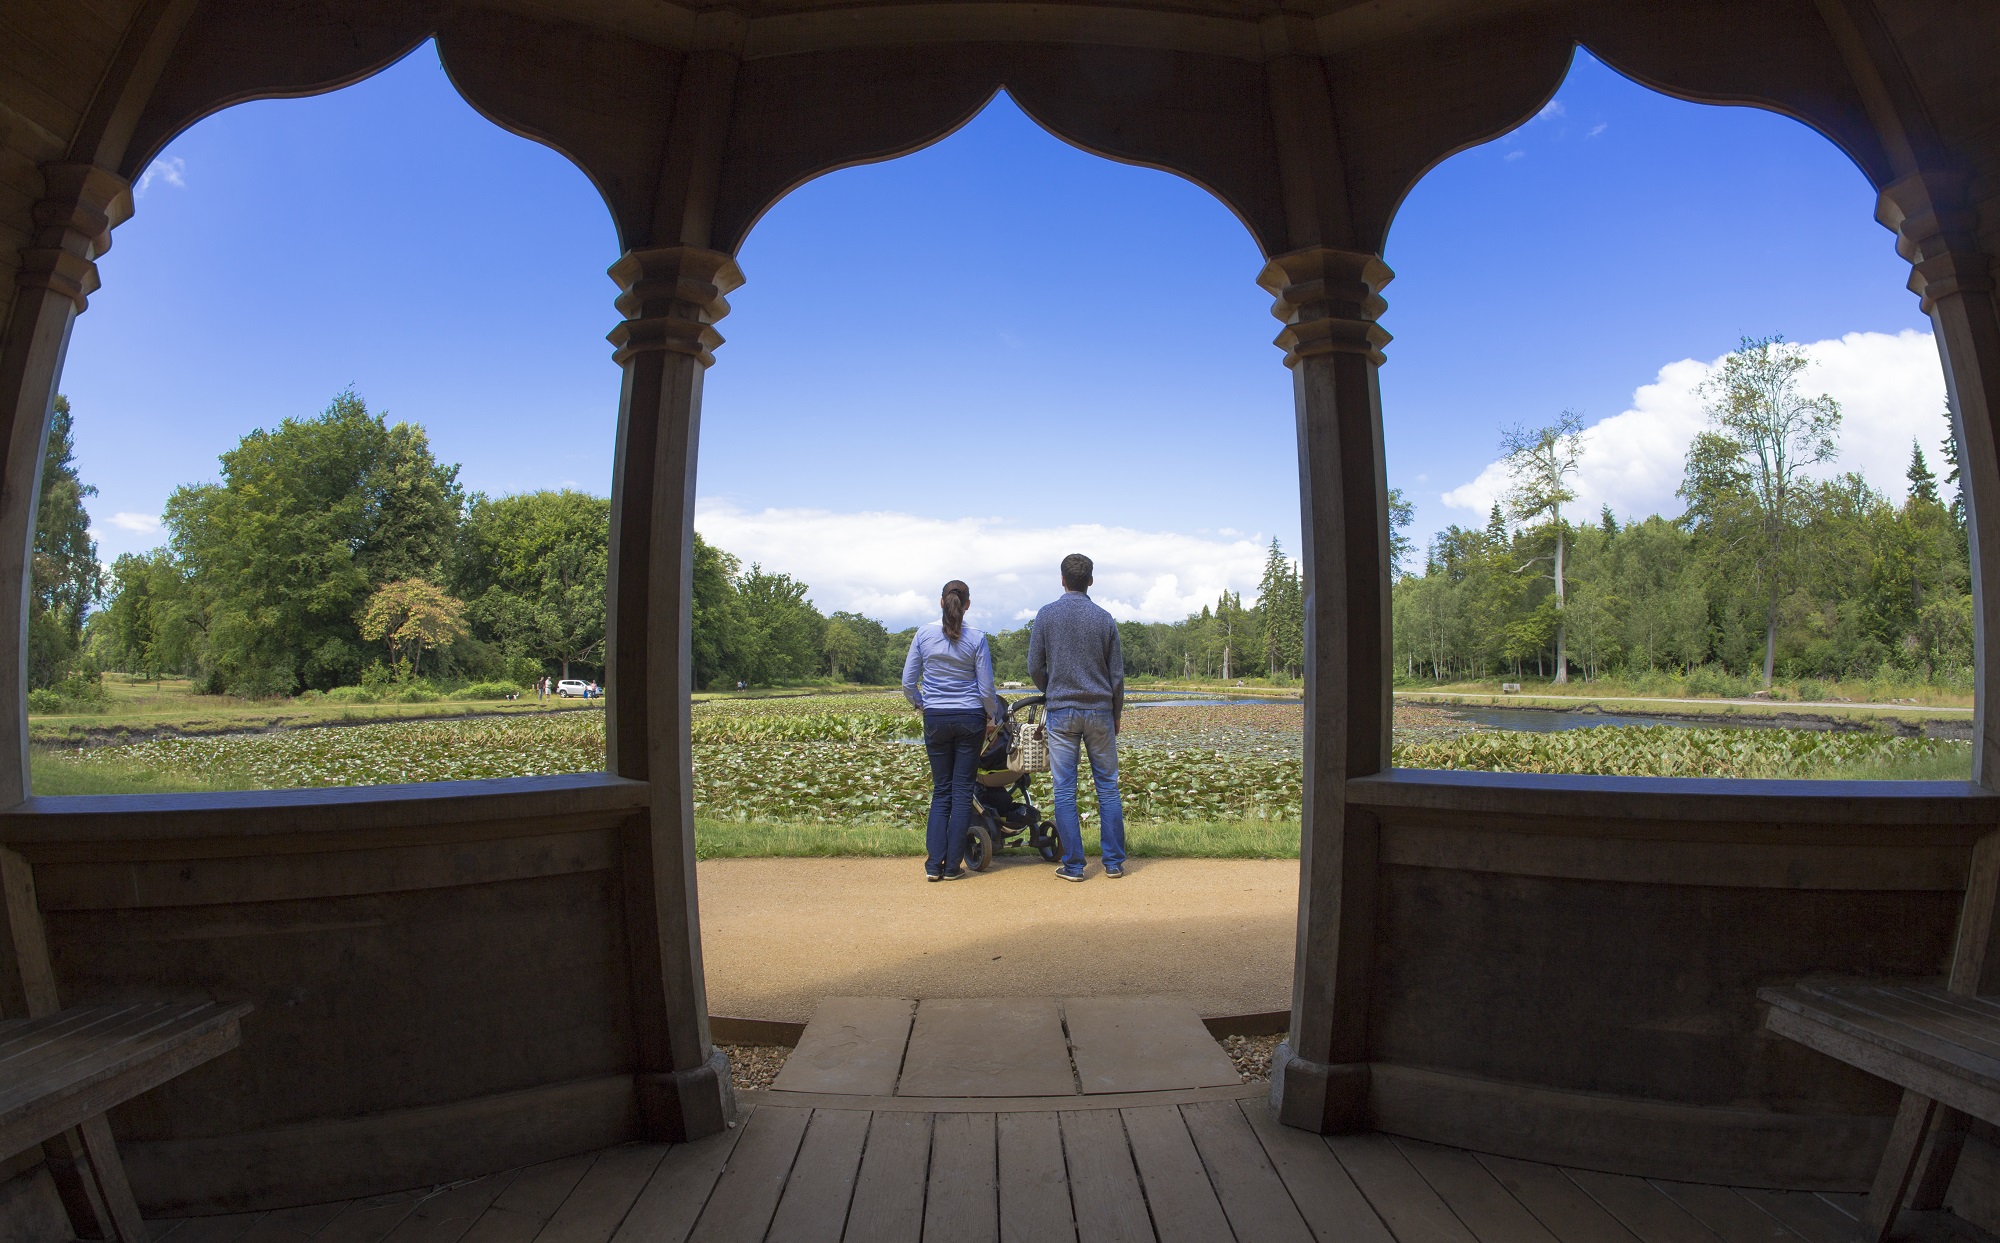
x,y
1092,729
952,739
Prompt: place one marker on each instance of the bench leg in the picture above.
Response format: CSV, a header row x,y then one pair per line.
x,y
1940,1161
69,1167
110,1171
1899,1165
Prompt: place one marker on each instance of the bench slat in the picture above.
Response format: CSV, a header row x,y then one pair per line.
x,y
1923,1039
40,1048
118,1032
141,1048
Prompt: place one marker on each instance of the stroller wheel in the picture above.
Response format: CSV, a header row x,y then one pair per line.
x,y
1044,840
978,847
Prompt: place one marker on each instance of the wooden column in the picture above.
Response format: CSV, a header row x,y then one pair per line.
x,y
1933,221
1329,300
73,221
673,295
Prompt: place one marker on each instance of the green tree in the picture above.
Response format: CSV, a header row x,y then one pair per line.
x,y
309,519
1281,603
1756,410
1540,461
534,567
65,579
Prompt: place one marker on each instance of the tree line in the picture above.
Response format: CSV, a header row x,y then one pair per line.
x,y
1769,571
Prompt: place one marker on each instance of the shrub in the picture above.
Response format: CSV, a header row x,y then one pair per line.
x,y
44,700
490,690
352,695
1811,691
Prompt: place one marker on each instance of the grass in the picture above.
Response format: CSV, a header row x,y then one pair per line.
x,y
1243,839
170,706
1705,684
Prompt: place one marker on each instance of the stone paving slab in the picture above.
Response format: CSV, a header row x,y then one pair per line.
x,y
987,1046
1143,1044
853,1046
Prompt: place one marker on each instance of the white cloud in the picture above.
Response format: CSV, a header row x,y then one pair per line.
x,y
1890,389
1598,128
890,565
1550,110
1516,154
172,170
144,524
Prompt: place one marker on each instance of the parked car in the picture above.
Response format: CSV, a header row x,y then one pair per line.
x,y
573,688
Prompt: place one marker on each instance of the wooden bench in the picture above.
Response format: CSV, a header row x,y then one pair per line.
x,y
1940,1045
61,1072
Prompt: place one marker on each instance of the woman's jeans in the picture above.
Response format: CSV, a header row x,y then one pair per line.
x,y
1087,728
953,739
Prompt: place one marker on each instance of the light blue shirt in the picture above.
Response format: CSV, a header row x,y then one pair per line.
x,y
942,676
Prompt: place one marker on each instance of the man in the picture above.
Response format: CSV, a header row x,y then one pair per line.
x,y
1074,658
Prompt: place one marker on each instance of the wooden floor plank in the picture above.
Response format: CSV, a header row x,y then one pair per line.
x,y
813,1208
1804,1214
1253,1197
1103,1185
370,1220
1729,1215
518,1214
1326,1197
447,1215
1643,1209
593,1211
962,1203
673,1198
1398,1194
888,1204
1478,1199
1182,1200
1565,1208
1034,1186
292,1225
746,1196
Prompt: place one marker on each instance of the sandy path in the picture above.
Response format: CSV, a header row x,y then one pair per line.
x,y
778,934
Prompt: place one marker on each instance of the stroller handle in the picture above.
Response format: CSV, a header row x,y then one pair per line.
x,y
1025,701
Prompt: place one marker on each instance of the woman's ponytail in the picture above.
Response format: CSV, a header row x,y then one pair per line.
x,y
956,597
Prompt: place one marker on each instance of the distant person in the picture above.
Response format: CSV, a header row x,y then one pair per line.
x,y
948,676
1074,658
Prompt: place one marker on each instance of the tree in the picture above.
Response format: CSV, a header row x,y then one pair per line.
x,y
410,615
65,579
1923,484
1281,601
309,519
1756,410
1402,513
534,566
1540,461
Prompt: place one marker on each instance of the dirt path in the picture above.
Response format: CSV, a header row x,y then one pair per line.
x,y
778,934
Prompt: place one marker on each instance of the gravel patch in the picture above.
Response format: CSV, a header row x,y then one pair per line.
x,y
756,1065
1251,1054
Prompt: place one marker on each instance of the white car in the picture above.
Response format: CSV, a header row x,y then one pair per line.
x,y
573,688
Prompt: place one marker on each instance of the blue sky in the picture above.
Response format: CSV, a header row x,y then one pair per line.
x,y
968,361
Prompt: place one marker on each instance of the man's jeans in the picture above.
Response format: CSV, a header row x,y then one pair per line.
x,y
1092,729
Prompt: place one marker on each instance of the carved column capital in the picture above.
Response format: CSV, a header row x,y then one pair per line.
x,y
673,296
80,206
1931,215
1328,301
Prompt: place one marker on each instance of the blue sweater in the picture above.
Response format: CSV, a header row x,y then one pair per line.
x,y
1074,657
942,676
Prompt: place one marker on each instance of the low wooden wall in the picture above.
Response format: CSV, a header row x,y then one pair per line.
x,y
439,973
1566,968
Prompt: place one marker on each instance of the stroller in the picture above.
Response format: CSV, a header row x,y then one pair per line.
x,y
1003,811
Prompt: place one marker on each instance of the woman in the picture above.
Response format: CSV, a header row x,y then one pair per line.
x,y
949,678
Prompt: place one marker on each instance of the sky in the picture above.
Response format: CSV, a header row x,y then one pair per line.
x,y
970,361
